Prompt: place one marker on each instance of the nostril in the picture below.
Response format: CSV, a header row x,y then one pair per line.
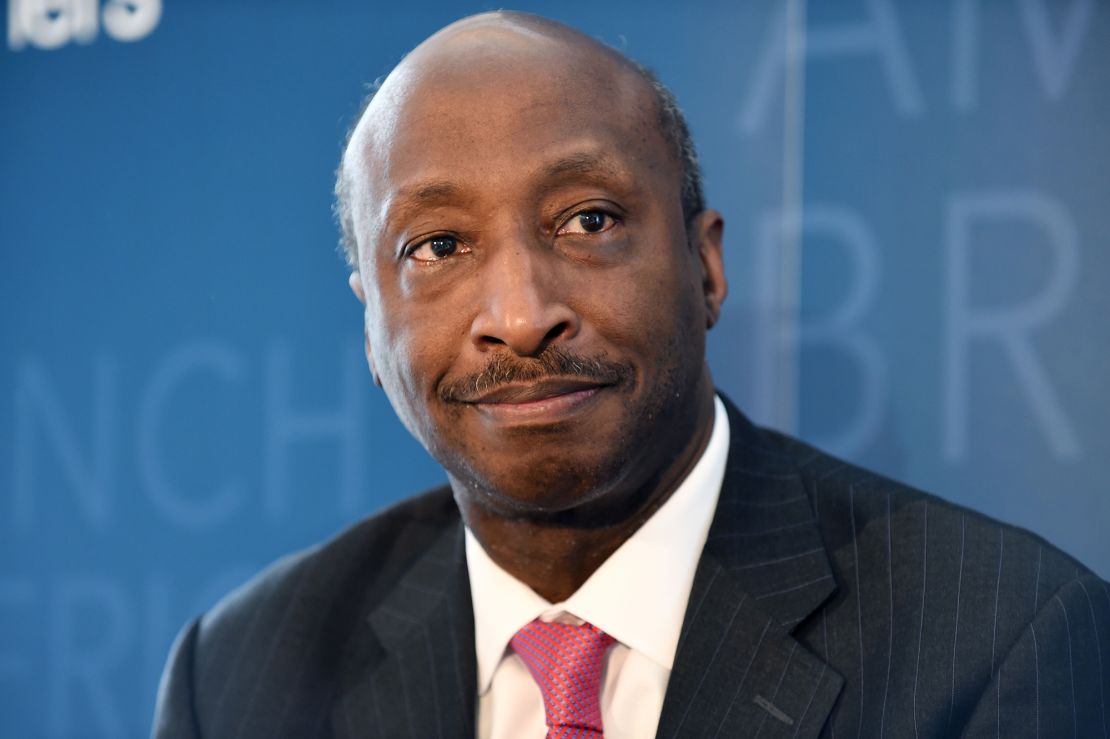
x,y
555,332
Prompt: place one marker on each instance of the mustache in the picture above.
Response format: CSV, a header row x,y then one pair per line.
x,y
552,363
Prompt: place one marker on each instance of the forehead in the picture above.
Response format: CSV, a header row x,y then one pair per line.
x,y
502,106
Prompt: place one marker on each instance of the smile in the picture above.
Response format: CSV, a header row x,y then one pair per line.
x,y
542,402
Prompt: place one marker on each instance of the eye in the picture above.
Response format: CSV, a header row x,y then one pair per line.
x,y
437,248
587,222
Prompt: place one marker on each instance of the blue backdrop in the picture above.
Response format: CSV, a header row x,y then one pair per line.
x,y
917,232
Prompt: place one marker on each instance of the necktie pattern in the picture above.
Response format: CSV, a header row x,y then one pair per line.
x,y
566,662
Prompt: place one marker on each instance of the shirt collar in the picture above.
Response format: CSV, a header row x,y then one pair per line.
x,y
638,596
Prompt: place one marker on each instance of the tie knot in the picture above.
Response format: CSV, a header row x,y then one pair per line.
x,y
566,662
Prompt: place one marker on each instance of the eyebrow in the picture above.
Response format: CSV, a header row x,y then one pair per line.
x,y
581,164
432,192
420,195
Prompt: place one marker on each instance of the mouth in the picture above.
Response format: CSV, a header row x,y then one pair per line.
x,y
543,401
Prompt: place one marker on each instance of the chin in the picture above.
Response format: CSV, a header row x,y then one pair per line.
x,y
551,487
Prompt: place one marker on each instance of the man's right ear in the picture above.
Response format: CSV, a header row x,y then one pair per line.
x,y
355,281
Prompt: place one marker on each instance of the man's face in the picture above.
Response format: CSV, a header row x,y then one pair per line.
x,y
534,309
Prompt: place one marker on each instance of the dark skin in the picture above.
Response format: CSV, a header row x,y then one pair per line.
x,y
535,303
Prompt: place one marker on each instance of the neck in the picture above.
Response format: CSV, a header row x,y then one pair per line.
x,y
555,556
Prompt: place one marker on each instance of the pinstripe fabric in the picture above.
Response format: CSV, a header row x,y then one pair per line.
x,y
368,635
828,602
737,670
947,623
424,686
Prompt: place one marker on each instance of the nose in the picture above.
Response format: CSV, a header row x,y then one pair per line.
x,y
522,308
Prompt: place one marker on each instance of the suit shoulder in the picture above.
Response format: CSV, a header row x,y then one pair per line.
x,y
847,498
338,579
931,597
827,474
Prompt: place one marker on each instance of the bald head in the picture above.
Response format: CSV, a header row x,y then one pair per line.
x,y
484,56
505,37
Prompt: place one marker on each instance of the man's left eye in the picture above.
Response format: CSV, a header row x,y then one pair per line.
x,y
587,222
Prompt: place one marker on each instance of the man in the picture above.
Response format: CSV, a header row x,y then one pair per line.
x,y
619,551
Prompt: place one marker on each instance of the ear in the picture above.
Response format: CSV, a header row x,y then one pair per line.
x,y
355,281
707,234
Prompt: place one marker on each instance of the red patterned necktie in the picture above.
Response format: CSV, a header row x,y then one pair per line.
x,y
566,662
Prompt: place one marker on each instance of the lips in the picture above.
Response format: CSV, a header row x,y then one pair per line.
x,y
534,391
537,403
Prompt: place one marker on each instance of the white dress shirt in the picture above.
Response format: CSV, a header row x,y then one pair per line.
x,y
638,596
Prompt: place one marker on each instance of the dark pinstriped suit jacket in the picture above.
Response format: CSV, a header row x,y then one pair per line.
x,y
828,601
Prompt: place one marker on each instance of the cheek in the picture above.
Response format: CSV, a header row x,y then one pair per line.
x,y
407,371
648,306
410,358
404,358
416,335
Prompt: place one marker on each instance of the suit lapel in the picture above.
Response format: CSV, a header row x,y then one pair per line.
x,y
738,671
413,669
